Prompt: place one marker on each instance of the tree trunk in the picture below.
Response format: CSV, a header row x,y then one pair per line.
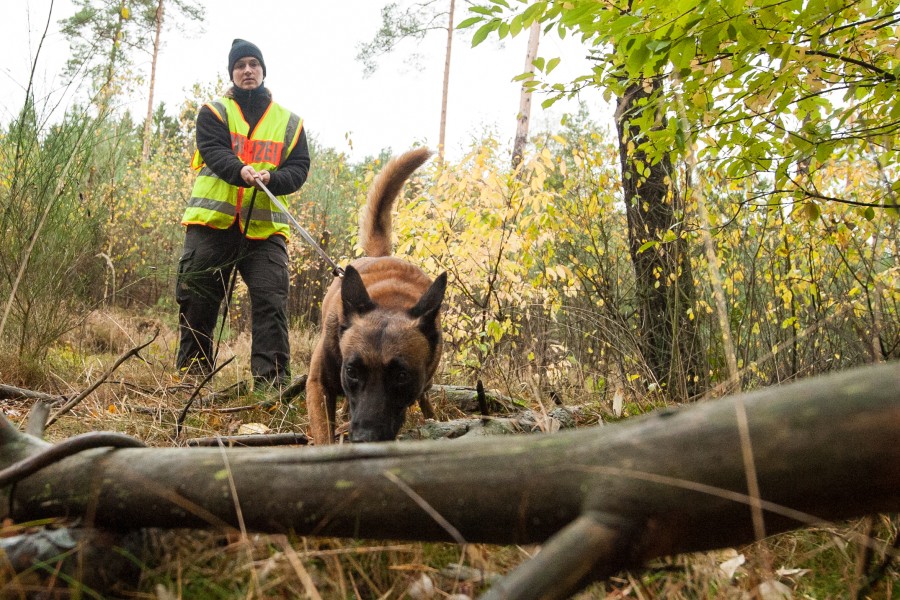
x,y
145,153
442,138
663,279
621,494
524,119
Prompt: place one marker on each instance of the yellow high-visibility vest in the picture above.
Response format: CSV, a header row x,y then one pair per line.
x,y
215,202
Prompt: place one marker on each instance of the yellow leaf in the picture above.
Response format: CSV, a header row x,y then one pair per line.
x,y
812,211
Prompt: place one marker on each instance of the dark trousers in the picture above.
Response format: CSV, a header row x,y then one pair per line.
x,y
204,271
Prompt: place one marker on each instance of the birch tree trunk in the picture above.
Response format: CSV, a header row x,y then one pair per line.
x,y
442,136
145,152
524,118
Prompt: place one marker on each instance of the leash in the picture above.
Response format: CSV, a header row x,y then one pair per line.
x,y
232,281
335,269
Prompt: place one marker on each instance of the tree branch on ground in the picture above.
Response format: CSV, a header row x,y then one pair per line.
x,y
615,496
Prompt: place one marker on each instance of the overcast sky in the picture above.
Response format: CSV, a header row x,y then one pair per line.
x,y
309,49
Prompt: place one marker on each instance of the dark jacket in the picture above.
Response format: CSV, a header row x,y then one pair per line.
x,y
214,144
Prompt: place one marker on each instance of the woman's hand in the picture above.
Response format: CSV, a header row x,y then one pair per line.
x,y
251,175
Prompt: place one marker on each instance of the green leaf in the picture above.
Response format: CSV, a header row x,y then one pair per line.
x,y
583,15
551,64
731,32
823,152
484,31
683,53
636,59
709,41
535,11
657,46
647,245
515,26
749,32
469,22
623,24
482,10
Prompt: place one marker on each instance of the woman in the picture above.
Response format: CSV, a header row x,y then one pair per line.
x,y
242,138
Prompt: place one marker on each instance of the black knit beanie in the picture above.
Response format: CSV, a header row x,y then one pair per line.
x,y
241,49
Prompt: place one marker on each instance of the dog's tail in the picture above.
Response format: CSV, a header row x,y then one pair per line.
x,y
375,221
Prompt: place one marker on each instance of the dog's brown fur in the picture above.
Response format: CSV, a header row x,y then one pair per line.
x,y
381,336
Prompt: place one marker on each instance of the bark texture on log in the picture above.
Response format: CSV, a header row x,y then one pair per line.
x,y
671,482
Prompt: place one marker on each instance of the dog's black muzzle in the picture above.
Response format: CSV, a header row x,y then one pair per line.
x,y
375,425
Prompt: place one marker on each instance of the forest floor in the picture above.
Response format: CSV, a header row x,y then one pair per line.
x,y
145,396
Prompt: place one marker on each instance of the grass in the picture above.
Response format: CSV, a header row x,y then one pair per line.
x,y
144,397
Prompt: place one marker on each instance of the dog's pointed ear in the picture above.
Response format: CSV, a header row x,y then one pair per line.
x,y
428,306
354,297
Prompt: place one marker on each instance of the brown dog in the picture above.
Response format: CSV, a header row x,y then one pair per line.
x,y
381,333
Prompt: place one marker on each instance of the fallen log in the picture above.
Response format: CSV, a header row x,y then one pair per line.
x,y
607,497
253,439
525,422
466,398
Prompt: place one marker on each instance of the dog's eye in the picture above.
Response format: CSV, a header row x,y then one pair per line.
x,y
399,375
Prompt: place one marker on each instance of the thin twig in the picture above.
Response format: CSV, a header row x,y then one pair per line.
x,y
196,393
438,517
756,510
239,514
298,567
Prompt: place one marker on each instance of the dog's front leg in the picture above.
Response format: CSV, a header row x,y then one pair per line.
x,y
425,406
321,419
